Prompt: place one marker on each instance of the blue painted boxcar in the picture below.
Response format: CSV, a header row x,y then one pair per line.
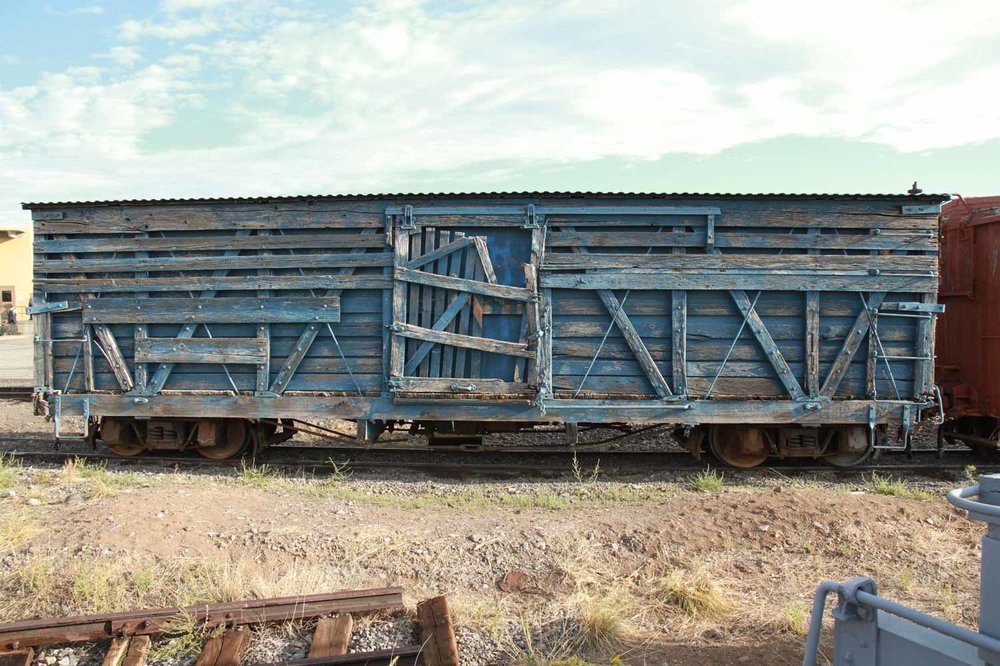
x,y
760,325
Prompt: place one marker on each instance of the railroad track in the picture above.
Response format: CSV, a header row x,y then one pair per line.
x,y
20,393
499,462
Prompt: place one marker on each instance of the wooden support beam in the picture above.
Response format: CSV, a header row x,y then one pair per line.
x,y
215,243
331,637
767,344
483,251
546,331
88,359
138,649
249,351
113,354
812,343
439,253
678,326
464,284
116,651
923,371
224,650
852,342
17,657
202,263
466,341
238,283
775,280
401,246
437,634
211,310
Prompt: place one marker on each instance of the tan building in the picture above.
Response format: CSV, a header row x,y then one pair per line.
x,y
15,267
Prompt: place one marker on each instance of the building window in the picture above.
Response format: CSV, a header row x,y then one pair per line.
x,y
7,296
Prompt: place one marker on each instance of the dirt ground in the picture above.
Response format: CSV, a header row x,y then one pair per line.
x,y
537,572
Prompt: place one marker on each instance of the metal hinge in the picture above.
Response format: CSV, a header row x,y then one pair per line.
x,y
933,209
710,232
532,220
409,221
913,306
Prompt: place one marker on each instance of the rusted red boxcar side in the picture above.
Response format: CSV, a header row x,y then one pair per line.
x,y
968,333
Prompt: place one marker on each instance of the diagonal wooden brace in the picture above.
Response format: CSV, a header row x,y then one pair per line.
x,y
852,342
756,325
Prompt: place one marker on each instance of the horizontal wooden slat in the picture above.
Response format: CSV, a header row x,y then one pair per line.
x,y
460,386
466,341
772,281
916,241
152,219
189,243
201,263
470,286
624,239
189,350
740,262
247,283
211,310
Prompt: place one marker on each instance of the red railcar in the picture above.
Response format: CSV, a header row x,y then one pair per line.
x,y
968,333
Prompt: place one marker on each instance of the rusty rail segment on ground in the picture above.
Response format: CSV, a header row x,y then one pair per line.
x,y
130,632
32,633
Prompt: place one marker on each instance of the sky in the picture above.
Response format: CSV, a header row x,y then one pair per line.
x,y
115,99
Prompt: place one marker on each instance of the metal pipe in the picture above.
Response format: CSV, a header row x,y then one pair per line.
x,y
942,627
816,620
958,498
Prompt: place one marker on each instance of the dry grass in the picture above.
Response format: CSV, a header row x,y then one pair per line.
x,y
16,529
696,594
9,469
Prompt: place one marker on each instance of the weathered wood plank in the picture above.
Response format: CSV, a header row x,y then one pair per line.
x,y
437,634
484,258
619,239
331,637
138,649
241,283
252,351
439,253
17,657
917,239
547,333
109,347
224,650
812,343
459,340
923,376
712,281
401,248
211,310
327,241
739,262
202,263
851,344
197,217
116,651
461,385
756,325
425,305
464,284
679,334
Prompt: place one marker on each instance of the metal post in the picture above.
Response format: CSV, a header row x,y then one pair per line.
x,y
989,586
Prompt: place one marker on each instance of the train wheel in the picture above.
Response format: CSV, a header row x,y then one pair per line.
x,y
127,450
851,447
738,446
228,438
119,436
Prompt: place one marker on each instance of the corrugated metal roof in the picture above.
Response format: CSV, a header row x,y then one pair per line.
x,y
923,198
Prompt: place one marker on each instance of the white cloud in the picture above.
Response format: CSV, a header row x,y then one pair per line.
x,y
391,91
7,59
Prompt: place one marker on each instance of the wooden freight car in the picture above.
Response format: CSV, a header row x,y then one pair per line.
x,y
968,363
760,325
